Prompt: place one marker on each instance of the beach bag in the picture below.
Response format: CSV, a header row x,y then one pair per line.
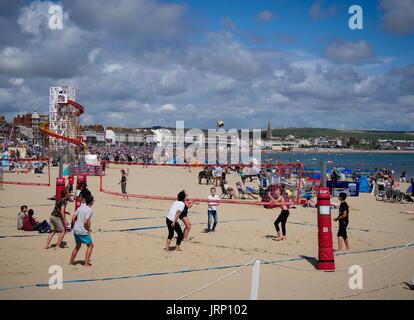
x,y
44,227
407,197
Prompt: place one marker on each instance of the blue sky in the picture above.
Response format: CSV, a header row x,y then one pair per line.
x,y
293,18
152,62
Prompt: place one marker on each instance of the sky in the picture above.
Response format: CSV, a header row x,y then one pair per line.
x,y
147,63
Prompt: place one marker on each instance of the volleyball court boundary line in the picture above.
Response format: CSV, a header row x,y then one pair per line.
x,y
279,166
407,245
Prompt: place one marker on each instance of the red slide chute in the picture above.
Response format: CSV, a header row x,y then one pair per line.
x,y
44,127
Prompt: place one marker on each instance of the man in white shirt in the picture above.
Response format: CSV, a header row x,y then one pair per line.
x,y
212,209
218,173
81,230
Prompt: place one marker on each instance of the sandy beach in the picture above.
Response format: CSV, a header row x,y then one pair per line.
x,y
133,265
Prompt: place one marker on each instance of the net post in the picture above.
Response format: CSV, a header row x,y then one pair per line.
x,y
299,183
254,293
100,176
323,174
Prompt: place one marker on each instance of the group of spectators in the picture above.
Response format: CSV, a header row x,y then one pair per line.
x,y
27,222
124,153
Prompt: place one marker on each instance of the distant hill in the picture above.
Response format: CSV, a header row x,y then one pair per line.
x,y
333,133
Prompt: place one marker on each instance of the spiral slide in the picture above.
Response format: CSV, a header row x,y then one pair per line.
x,y
44,127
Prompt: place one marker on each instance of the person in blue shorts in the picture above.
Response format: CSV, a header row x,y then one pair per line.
x,y
81,230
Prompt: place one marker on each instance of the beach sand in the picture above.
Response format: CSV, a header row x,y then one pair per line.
x,y
133,264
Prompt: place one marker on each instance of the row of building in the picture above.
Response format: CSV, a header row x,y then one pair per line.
x,y
23,128
26,128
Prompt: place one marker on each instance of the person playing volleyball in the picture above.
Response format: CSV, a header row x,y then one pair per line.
x,y
172,223
183,216
283,216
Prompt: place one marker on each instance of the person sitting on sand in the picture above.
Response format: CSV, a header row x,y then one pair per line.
x,y
81,230
30,223
310,203
20,217
343,220
244,191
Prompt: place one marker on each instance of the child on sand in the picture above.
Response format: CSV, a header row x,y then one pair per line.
x,y
20,217
81,230
172,223
30,223
123,183
343,219
212,209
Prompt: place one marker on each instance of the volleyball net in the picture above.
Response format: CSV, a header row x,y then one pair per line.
x,y
247,184
27,172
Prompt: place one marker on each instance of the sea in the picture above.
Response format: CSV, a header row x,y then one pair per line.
x,y
398,162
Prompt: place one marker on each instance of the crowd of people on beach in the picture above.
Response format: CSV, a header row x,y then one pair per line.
x,y
265,184
121,153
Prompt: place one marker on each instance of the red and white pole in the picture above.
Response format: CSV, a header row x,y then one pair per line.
x,y
60,185
326,254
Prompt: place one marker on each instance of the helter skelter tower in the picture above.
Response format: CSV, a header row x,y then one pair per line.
x,y
64,122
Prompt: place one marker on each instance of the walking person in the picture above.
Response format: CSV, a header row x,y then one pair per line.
x,y
58,220
212,210
172,223
343,220
81,230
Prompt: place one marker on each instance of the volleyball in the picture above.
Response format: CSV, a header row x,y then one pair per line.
x,y
220,123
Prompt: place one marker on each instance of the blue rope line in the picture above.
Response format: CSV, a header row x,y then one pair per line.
x,y
195,269
164,226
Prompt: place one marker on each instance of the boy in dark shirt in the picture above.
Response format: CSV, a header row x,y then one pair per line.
x,y
343,219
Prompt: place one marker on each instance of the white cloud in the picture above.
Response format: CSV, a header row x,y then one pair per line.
x,y
111,67
349,52
152,70
93,54
407,100
398,16
316,11
265,16
16,81
34,17
226,85
167,107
